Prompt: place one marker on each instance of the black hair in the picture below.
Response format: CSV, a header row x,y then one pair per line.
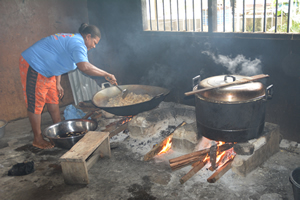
x,y
85,29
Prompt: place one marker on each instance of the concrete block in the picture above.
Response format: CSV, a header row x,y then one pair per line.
x,y
185,138
264,148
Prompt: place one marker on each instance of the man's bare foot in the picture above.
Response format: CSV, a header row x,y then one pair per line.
x,y
42,144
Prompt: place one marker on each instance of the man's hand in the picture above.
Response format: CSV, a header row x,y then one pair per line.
x,y
112,79
60,91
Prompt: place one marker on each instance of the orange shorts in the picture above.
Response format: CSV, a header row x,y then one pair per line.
x,y
37,89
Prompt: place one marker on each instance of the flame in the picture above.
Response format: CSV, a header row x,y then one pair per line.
x,y
228,155
166,147
127,119
220,156
206,158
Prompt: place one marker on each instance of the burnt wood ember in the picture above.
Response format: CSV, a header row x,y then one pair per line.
x,y
243,148
116,127
213,156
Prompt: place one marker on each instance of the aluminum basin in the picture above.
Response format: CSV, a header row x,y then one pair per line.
x,y
56,133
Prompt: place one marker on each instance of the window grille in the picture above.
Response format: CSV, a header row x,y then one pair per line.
x,y
258,16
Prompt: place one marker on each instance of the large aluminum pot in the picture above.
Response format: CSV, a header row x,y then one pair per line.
x,y
233,113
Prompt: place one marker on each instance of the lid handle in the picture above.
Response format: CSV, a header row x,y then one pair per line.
x,y
196,80
269,92
226,76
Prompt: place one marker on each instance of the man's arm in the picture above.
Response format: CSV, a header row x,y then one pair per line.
x,y
92,70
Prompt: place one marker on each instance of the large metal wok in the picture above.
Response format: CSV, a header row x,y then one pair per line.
x,y
100,99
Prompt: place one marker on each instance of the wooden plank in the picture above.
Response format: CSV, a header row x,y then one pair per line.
x,y
104,148
75,172
92,160
84,147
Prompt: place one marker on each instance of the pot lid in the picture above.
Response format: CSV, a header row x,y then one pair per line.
x,y
231,94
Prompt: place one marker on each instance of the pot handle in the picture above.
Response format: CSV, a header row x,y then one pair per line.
x,y
196,80
106,83
226,76
269,92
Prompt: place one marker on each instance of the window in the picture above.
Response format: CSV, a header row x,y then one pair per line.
x,y
258,16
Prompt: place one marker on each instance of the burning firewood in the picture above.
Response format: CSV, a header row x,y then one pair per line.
x,y
158,148
198,159
180,164
221,171
219,159
197,167
187,159
213,155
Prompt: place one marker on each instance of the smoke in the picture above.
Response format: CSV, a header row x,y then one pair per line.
x,y
238,65
160,75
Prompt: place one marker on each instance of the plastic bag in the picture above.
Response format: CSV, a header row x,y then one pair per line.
x,y
73,113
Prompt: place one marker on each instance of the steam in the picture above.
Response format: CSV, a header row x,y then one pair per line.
x,y
159,75
238,65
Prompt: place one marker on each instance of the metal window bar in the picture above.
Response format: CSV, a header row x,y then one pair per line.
x,y
201,9
156,15
171,14
265,16
233,2
289,17
224,15
185,16
150,15
177,16
276,10
254,15
194,24
163,7
244,12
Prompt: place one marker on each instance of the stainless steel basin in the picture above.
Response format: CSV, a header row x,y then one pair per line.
x,y
56,133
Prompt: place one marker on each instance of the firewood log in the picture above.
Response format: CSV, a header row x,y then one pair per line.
x,y
220,172
198,166
186,162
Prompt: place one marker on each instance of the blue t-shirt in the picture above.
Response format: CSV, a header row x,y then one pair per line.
x,y
56,54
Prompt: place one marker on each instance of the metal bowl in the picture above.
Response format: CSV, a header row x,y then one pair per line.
x,y
56,133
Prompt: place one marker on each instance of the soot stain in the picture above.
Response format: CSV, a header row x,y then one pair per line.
x,y
141,191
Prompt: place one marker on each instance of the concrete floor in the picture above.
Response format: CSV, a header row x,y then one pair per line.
x,y
126,176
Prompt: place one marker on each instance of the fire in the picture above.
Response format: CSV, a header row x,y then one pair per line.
x,y
127,119
224,156
228,155
220,156
166,147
